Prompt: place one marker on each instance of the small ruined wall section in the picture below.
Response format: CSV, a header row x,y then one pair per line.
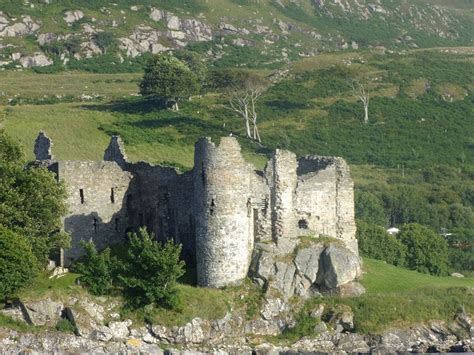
x,y
282,177
96,194
325,199
160,200
223,213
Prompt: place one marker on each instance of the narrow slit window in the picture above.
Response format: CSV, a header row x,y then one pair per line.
x,y
81,195
213,205
112,195
96,225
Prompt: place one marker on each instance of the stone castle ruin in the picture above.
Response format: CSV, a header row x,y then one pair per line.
x,y
290,226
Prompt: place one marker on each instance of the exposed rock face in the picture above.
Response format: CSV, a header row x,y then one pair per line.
x,y
306,270
72,16
25,27
338,267
45,312
36,60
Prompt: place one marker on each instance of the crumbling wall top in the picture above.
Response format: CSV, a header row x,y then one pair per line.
x,y
116,151
43,146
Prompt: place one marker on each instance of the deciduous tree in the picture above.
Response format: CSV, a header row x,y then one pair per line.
x,y
168,79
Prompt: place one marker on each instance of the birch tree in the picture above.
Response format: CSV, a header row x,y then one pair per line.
x,y
362,92
244,95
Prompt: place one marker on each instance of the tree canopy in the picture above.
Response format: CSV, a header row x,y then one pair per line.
x,y
17,262
31,201
168,79
426,251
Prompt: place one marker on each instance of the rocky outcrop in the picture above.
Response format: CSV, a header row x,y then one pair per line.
x,y
72,16
306,268
44,312
36,60
339,266
25,27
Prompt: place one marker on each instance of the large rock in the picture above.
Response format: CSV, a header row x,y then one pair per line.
x,y
273,307
45,312
338,266
25,27
120,330
72,16
307,261
284,276
36,60
265,327
156,14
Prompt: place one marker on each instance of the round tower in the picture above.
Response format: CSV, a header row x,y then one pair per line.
x,y
222,214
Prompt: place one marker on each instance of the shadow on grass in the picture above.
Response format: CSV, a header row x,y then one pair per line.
x,y
130,106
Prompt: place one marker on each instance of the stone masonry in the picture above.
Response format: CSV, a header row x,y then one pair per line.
x,y
223,212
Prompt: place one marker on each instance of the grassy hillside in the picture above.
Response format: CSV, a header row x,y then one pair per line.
x,y
266,33
413,161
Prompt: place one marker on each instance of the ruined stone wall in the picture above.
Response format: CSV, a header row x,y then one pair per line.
x,y
325,199
160,200
223,211
217,211
96,194
282,177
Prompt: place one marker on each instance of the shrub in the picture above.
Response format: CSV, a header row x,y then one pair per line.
x,y
65,326
376,243
17,262
426,251
149,271
96,270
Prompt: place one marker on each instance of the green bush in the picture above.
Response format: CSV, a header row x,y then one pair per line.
x,y
427,252
149,271
65,326
95,270
17,262
376,243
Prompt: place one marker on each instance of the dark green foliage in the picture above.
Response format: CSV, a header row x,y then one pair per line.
x,y
10,152
461,251
196,63
168,79
31,202
369,208
95,270
109,63
17,263
65,326
149,271
376,243
104,40
427,252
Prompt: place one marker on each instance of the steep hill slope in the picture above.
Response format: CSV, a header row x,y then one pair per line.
x,y
257,32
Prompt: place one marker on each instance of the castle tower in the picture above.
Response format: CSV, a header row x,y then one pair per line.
x,y
221,210
284,179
